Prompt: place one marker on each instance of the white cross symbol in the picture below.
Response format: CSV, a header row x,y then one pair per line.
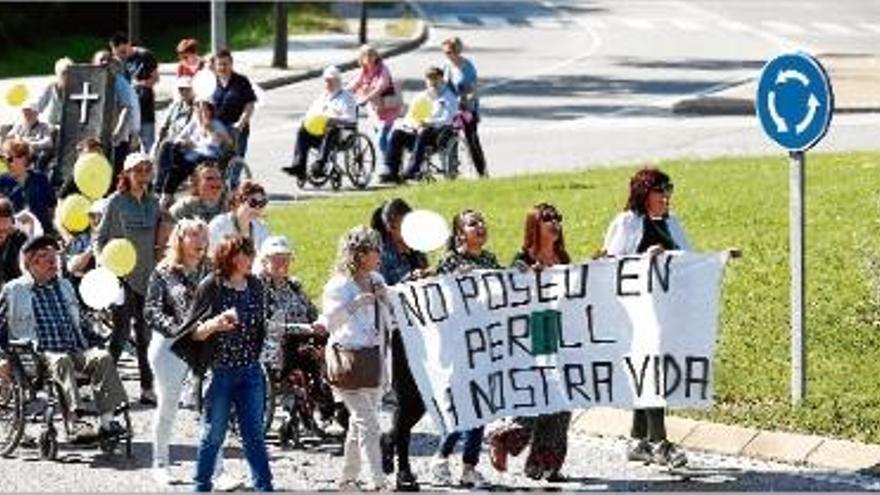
x,y
84,98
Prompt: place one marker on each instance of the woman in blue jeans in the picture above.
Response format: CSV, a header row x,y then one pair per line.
x,y
465,252
225,333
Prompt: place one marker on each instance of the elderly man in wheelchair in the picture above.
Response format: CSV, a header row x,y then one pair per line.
x,y
337,108
40,311
429,117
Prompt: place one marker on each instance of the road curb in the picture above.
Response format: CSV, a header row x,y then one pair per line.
x,y
793,448
410,44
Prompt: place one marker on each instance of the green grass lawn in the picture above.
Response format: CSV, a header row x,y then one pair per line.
x,y
247,28
723,202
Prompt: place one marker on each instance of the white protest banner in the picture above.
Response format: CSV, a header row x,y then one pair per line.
x,y
623,332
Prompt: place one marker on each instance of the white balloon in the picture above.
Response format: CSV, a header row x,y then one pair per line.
x,y
424,230
99,288
204,83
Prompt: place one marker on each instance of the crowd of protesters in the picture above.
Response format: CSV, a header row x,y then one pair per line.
x,y
211,283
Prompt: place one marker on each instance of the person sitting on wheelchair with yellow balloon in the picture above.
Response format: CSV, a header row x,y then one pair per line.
x,y
333,109
429,112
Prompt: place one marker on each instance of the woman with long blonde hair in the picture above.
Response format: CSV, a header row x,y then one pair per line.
x,y
169,296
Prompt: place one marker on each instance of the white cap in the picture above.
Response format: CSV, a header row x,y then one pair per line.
x,y
184,82
31,105
331,72
276,244
98,206
135,159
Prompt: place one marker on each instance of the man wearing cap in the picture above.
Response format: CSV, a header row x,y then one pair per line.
x,y
38,135
133,213
339,106
78,256
42,307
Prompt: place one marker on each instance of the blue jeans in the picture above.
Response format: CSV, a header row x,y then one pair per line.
x,y
384,132
246,388
473,440
148,135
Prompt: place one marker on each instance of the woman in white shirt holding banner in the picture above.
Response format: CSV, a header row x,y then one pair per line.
x,y
646,226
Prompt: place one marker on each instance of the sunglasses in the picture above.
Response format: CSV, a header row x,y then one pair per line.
x,y
257,202
551,216
667,188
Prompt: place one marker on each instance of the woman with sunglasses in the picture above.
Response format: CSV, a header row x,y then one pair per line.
x,y
466,251
26,187
646,226
244,219
543,246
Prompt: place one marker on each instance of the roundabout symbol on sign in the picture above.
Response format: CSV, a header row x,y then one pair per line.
x,y
794,101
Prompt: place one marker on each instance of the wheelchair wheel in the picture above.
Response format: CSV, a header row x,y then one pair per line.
x,y
48,444
360,161
12,420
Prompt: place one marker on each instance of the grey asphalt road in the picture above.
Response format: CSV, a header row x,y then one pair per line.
x,y
593,464
572,84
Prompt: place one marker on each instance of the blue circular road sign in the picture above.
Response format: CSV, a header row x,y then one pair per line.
x,y
794,101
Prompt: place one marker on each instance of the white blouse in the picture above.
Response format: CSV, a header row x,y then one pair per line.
x,y
352,329
626,231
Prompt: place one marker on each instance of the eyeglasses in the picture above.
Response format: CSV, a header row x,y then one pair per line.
x,y
475,223
549,216
257,202
666,188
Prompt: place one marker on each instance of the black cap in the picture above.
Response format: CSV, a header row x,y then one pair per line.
x,y
39,242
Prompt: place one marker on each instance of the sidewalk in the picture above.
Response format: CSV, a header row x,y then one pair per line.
x,y
695,435
855,79
392,29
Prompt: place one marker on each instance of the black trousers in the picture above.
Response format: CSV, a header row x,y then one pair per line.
x,y
649,424
417,141
306,141
410,408
474,147
132,309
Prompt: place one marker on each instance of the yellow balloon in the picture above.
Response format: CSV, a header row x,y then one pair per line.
x,y
118,256
419,109
4,167
315,124
92,173
74,212
17,95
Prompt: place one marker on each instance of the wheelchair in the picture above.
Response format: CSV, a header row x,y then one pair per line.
x,y
353,156
29,396
233,168
302,393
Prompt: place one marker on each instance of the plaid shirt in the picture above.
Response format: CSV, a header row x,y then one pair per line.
x,y
56,331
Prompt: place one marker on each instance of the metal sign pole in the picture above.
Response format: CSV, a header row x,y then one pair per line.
x,y
798,277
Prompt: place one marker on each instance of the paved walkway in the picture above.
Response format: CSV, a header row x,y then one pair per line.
x,y
855,79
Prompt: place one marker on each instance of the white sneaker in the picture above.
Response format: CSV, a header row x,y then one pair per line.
x,y
226,482
440,471
471,478
162,476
